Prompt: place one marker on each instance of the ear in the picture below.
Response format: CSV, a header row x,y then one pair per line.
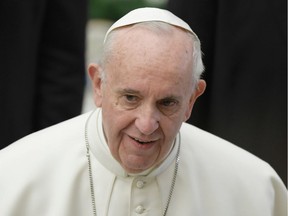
x,y
94,72
201,86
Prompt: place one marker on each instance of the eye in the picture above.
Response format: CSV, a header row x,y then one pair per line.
x,y
168,103
129,101
168,106
131,98
128,98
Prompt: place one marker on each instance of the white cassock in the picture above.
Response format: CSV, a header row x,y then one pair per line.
x,y
46,174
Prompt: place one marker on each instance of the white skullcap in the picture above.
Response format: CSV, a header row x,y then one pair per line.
x,y
149,14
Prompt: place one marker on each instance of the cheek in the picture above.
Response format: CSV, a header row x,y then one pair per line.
x,y
171,128
111,131
114,122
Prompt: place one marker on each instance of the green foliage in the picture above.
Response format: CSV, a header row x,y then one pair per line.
x,y
114,9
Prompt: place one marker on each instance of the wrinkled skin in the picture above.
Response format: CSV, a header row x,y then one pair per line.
x,y
147,95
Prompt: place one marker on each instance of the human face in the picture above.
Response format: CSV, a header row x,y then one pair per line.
x,y
146,96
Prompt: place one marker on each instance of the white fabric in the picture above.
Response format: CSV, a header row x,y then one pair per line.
x,y
150,14
46,174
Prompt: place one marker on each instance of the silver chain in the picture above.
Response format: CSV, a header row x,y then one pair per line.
x,y
91,176
89,166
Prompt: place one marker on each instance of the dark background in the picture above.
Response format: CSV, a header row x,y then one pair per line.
x,y
245,54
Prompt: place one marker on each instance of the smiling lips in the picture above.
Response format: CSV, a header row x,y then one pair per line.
x,y
142,142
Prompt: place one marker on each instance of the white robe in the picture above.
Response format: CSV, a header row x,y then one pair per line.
x,y
46,174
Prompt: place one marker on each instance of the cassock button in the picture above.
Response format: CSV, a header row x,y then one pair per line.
x,y
140,184
139,209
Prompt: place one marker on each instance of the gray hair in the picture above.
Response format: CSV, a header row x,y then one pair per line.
x,y
160,28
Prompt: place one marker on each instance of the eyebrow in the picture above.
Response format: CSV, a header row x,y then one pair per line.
x,y
171,97
136,92
127,91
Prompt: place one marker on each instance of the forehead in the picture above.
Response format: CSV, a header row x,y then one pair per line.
x,y
160,58
139,46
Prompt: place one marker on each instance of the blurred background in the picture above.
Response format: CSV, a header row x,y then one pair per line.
x,y
245,55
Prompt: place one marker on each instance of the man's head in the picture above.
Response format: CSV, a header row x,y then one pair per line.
x,y
146,84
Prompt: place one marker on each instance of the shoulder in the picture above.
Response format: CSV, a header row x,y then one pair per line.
x,y
216,155
59,133
218,172
45,145
38,166
203,141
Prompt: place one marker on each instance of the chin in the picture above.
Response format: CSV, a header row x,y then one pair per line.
x,y
136,169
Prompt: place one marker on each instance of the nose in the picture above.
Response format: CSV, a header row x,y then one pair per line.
x,y
147,120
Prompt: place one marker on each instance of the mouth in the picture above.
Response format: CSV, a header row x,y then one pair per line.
x,y
142,142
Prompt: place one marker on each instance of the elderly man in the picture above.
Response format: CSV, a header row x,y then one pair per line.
x,y
133,155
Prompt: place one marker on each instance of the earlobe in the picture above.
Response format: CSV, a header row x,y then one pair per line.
x,y
94,74
200,88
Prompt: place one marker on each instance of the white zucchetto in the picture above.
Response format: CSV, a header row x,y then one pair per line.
x,y
149,14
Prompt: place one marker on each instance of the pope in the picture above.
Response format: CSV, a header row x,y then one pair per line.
x,y
134,154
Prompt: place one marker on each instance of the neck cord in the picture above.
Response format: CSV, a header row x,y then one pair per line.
x,y
91,175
